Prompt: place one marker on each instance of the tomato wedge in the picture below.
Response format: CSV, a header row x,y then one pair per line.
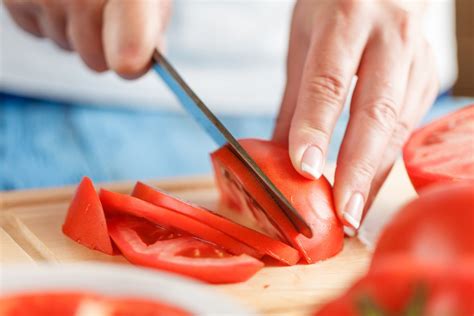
x,y
250,237
85,221
144,243
437,227
79,303
312,199
442,151
116,202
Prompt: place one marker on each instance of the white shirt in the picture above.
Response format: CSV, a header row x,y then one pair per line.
x,y
232,53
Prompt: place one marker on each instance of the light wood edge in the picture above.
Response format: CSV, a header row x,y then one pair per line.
x,y
26,239
51,195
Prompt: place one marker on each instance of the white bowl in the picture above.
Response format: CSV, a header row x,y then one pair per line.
x,y
117,280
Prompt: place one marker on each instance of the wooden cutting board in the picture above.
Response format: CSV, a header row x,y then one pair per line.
x,y
31,222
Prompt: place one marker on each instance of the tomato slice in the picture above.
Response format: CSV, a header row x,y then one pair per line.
x,y
79,304
442,151
144,243
436,227
250,237
116,202
85,221
312,199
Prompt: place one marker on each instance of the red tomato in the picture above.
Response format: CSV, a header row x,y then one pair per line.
x,y
116,202
437,227
85,220
404,287
76,304
312,199
252,238
442,151
144,243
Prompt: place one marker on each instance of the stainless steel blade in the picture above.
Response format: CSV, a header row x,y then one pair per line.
x,y
222,136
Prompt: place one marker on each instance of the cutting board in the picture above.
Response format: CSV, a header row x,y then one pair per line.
x,y
31,222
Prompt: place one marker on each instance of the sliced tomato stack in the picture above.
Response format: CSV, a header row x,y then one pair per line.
x,y
442,151
170,234
152,228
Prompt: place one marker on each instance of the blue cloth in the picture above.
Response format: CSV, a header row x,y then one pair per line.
x,y
44,143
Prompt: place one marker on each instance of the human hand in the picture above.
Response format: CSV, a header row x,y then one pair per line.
x,y
120,35
330,42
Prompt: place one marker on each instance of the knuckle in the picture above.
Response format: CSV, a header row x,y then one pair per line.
x,y
400,135
129,60
317,134
363,170
405,23
382,113
328,86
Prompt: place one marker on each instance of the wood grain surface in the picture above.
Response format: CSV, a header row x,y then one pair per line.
x,y
31,232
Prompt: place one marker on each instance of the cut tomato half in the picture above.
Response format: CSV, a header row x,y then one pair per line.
x,y
442,151
241,192
144,243
250,237
85,221
116,202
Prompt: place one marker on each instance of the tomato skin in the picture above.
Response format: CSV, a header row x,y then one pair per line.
x,y
252,238
169,255
85,220
421,161
311,198
73,303
121,203
436,227
448,290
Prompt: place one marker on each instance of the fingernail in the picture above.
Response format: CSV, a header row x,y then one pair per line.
x,y
353,210
349,231
312,162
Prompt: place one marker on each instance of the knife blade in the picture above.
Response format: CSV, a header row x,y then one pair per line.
x,y
219,133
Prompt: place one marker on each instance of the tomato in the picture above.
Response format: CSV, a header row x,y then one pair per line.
x,y
311,198
438,227
408,288
144,243
252,238
85,221
442,151
77,303
121,203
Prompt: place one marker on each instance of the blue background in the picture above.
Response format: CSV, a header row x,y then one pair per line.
x,y
44,143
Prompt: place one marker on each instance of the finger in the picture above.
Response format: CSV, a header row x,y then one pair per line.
x,y
52,22
23,13
85,31
297,50
376,104
422,89
131,31
331,63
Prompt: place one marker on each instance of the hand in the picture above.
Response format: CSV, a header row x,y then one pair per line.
x,y
108,34
330,42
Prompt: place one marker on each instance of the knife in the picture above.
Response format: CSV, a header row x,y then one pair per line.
x,y
219,133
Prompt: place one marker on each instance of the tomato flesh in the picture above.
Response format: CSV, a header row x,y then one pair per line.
x,y
121,203
241,192
147,244
78,304
252,238
85,221
442,151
